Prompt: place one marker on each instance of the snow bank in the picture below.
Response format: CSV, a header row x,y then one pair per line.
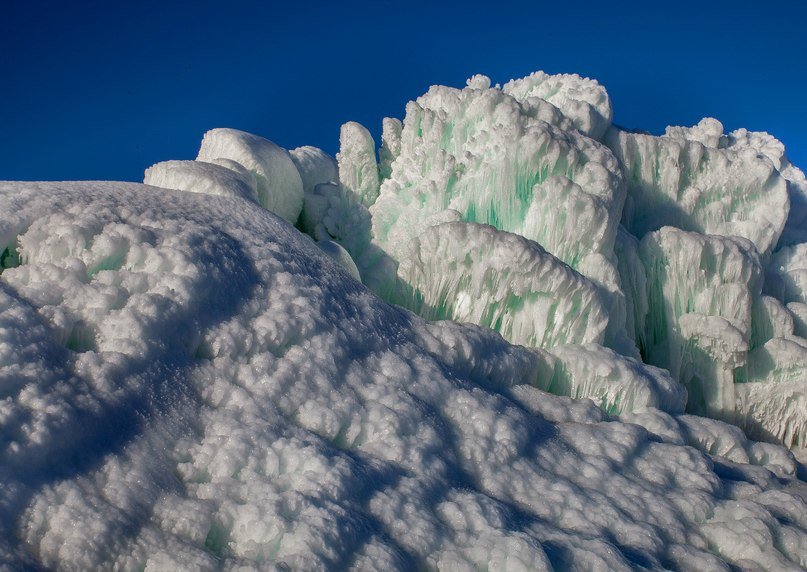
x,y
205,178
189,383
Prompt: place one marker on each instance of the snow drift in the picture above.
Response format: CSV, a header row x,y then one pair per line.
x,y
191,382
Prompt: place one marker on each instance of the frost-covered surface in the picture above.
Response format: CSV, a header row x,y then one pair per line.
x,y
226,179
279,185
524,293
695,179
190,384
481,155
584,101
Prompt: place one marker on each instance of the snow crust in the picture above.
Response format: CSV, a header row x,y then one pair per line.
x,y
190,383
516,336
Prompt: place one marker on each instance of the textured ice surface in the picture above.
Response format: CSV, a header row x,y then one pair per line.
x,y
700,295
470,272
481,155
358,169
694,179
205,178
331,212
279,186
616,383
795,230
486,156
787,274
582,100
390,145
192,384
315,166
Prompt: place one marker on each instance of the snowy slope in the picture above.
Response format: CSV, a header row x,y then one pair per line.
x,y
190,384
235,365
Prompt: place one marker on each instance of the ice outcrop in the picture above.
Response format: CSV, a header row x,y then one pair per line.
x,y
390,146
795,231
227,178
697,180
358,169
582,100
511,159
469,272
232,399
701,290
279,186
483,154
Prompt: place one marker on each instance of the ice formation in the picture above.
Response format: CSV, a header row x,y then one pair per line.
x,y
223,177
515,337
696,179
279,185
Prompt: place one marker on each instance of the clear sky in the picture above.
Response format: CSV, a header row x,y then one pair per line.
x,y
102,90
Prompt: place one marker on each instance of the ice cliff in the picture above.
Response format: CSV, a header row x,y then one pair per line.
x,y
511,336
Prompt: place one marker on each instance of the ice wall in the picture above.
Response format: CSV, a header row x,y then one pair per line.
x,y
523,209
469,272
696,179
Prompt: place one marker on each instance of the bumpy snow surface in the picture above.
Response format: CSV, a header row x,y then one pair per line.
x,y
240,368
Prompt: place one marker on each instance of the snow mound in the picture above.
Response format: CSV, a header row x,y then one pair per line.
x,y
205,178
279,186
189,383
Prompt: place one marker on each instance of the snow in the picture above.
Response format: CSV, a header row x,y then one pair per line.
x,y
279,185
315,166
494,342
224,179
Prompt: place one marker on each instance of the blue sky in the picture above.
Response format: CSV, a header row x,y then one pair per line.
x,y
102,90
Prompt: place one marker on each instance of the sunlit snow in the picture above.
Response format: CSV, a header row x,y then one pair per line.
x,y
508,336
